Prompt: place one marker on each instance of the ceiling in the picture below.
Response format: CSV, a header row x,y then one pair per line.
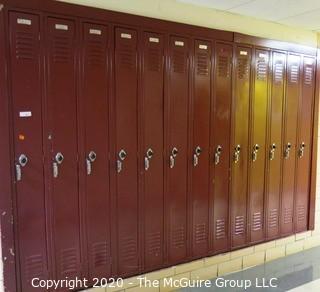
x,y
299,13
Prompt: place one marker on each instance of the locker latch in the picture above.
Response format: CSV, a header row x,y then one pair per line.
x,y
122,156
23,160
287,151
301,149
92,156
58,159
174,153
272,151
147,158
217,154
255,152
196,155
236,156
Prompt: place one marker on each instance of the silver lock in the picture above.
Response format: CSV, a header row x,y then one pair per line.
x,y
58,159
174,153
217,154
92,156
287,151
301,149
255,152
236,156
23,161
121,157
273,148
148,157
197,153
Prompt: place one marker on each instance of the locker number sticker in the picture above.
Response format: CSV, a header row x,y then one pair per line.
x,y
24,21
27,114
61,27
126,36
179,43
95,31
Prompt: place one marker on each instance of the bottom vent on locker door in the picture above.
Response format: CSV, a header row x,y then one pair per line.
x,y
153,243
178,237
301,213
68,261
200,233
287,215
239,225
273,218
128,248
220,228
99,253
34,267
256,221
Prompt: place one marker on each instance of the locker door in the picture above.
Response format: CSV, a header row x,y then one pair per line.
x,y
126,78
289,146
27,131
274,157
304,145
258,146
201,139
62,137
240,133
153,103
178,91
95,157
220,153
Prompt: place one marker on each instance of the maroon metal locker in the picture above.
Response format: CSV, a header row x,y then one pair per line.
x,y
289,143
94,98
201,140
304,145
62,138
258,145
126,79
177,160
240,137
274,155
152,152
220,146
26,94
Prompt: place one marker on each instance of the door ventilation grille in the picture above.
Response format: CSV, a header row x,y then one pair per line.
x,y
154,59
178,237
179,61
278,72
262,69
294,73
200,233
243,67
154,243
308,73
239,225
96,53
203,63
220,229
128,248
127,57
100,254
301,213
25,46
62,48
224,66
69,261
273,218
34,267
256,221
287,215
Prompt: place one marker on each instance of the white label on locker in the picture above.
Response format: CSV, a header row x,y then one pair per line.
x,y
25,114
126,36
203,47
244,53
153,40
61,27
179,43
24,21
95,31
262,56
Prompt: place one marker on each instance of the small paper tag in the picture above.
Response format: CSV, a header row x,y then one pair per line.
x,y
95,31
179,43
61,27
243,53
126,36
25,114
24,21
153,40
203,47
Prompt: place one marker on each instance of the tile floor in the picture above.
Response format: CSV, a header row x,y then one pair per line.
x,y
296,273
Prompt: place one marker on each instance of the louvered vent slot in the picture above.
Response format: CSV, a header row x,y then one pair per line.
x,y
200,233
239,225
294,73
287,215
62,49
308,72
224,67
301,213
278,72
154,243
273,218
127,57
25,46
256,221
34,267
128,248
202,63
262,69
154,59
220,229
243,67
68,260
178,237
179,62
100,254
96,54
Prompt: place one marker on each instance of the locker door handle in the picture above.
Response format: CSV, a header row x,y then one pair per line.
x,y
22,162
272,151
173,155
148,157
301,149
217,155
255,152
122,156
236,156
287,151
92,156
58,159
197,153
